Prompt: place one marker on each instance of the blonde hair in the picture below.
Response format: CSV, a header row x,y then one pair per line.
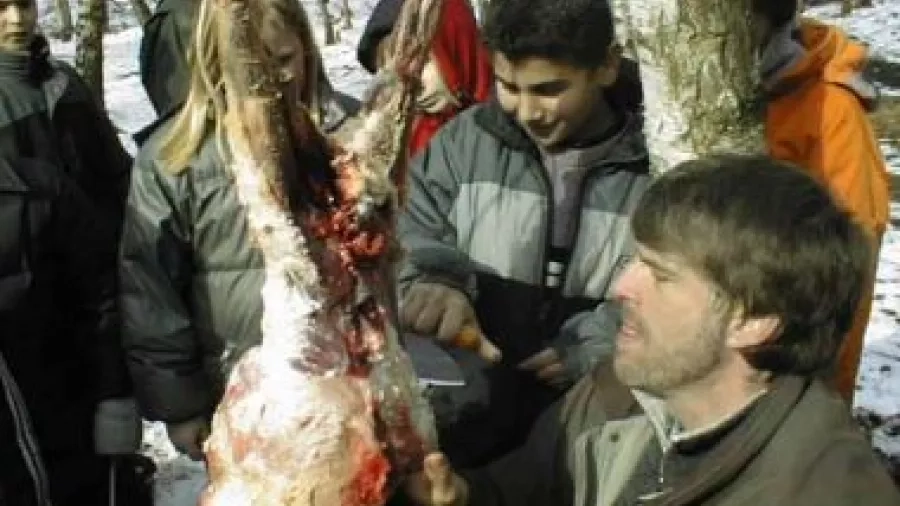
x,y
205,108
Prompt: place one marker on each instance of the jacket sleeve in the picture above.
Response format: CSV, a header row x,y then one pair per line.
x,y
163,353
425,227
108,160
588,337
526,476
87,256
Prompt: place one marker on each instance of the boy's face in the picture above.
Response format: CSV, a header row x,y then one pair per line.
x,y
552,101
18,21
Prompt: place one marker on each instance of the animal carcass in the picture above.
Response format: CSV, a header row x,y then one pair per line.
x,y
326,410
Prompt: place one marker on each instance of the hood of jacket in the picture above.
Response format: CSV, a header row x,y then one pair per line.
x,y
809,50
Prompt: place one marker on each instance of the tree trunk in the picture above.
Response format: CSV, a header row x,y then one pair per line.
x,y
141,10
327,24
64,14
699,74
347,14
89,45
847,6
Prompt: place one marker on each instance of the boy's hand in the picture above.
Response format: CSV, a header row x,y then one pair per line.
x,y
435,309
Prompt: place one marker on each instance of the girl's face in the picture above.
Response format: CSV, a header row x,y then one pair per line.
x,y
289,54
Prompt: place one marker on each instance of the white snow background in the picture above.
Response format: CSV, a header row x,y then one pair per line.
x,y
179,480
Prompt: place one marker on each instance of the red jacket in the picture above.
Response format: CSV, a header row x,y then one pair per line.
x,y
464,63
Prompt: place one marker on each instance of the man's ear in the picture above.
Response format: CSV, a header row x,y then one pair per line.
x,y
607,73
744,333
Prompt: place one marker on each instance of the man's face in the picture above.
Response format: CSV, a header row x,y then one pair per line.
x,y
18,21
674,329
551,101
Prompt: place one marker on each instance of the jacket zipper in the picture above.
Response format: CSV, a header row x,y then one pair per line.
x,y
25,434
589,176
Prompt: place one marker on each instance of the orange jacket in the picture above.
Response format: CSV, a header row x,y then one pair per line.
x,y
816,118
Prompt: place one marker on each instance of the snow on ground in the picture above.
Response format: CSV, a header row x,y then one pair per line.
x,y
179,480
878,26
878,383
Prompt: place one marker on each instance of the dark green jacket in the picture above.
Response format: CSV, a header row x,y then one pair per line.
x,y
797,445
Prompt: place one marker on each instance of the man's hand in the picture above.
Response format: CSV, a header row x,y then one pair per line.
x,y
187,437
435,309
547,366
437,484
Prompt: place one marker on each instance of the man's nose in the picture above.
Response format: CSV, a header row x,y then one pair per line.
x,y
626,284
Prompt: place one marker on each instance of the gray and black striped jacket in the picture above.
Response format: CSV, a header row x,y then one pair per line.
x,y
479,218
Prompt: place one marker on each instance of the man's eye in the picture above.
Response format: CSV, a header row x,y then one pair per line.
x,y
660,277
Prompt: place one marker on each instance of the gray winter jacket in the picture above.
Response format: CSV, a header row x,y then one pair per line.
x,y
479,217
190,283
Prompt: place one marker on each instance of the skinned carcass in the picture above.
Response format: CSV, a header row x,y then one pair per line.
x,y
326,410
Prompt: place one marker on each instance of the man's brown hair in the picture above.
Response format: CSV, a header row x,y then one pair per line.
x,y
775,243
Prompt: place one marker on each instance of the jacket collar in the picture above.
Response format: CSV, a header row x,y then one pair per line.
x,y
729,457
631,146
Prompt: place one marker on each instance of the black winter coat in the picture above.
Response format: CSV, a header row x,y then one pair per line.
x,y
63,182
59,340
68,130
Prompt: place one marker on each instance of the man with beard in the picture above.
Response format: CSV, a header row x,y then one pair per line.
x,y
746,279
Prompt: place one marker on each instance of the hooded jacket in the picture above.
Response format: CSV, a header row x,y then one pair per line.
x,y
816,116
464,65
